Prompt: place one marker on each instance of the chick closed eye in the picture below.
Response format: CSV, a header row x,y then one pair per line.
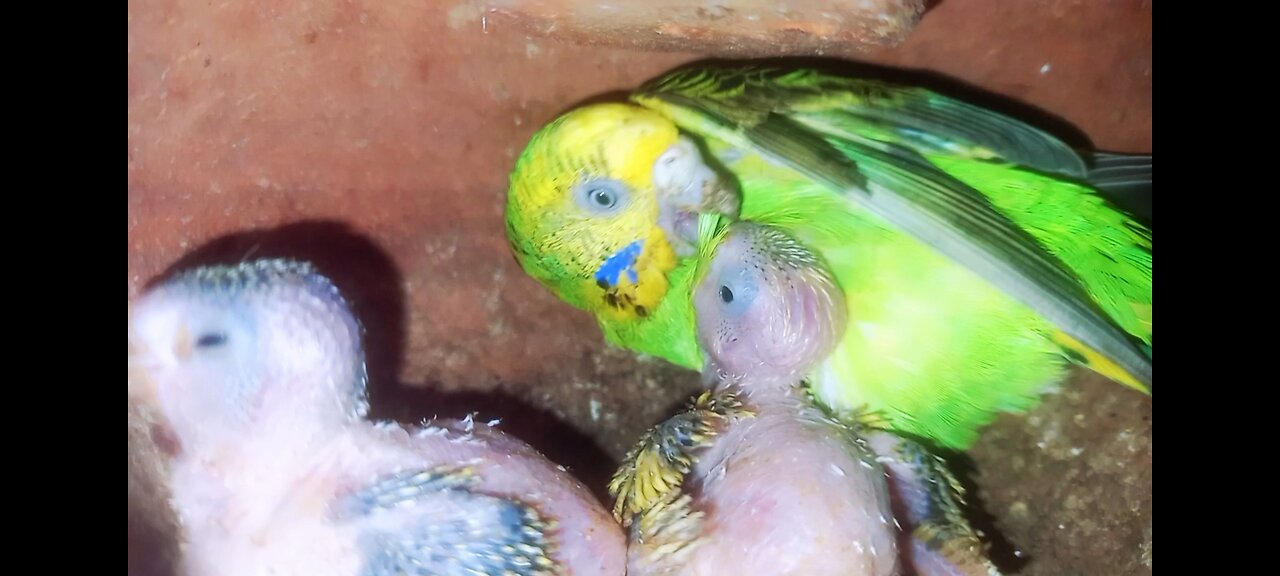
x,y
220,334
209,340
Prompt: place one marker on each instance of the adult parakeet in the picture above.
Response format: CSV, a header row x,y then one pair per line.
x,y
975,253
754,478
258,370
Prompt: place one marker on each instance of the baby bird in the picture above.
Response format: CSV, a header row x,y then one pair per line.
x,y
258,371
755,477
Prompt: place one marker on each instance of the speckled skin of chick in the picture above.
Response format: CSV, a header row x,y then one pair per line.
x,y
258,371
754,477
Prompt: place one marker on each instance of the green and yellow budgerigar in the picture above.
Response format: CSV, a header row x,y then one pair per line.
x,y
978,255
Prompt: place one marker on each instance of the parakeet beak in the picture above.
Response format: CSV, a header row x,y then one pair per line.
x,y
141,388
142,360
686,186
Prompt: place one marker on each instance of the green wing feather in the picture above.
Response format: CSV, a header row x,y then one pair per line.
x,y
1109,251
923,120
1124,179
801,120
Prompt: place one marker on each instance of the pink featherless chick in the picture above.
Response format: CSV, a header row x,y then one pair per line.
x,y
755,477
258,371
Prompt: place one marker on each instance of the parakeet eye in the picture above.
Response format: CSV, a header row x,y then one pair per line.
x,y
601,195
604,197
211,340
217,333
738,289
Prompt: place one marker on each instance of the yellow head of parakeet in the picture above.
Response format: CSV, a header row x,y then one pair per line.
x,y
582,211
